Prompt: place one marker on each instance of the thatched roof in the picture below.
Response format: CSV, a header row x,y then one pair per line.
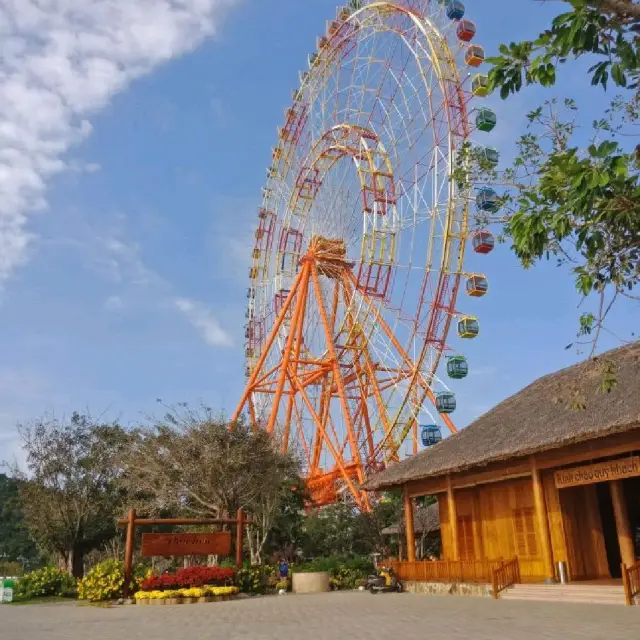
x,y
425,520
562,408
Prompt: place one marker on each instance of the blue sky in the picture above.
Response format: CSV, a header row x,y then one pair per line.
x,y
132,286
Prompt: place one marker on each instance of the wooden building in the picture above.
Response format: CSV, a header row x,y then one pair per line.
x,y
551,475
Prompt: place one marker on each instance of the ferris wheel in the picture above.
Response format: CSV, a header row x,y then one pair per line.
x,y
360,242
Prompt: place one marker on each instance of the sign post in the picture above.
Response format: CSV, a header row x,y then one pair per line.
x,y
181,544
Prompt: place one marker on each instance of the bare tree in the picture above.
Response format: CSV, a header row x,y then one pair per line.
x,y
194,462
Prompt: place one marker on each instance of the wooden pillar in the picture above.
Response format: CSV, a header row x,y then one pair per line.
x,y
453,519
625,539
542,519
409,525
239,537
128,552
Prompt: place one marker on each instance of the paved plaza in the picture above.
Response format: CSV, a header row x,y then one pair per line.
x,y
330,616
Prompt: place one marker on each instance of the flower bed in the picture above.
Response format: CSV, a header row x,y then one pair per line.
x,y
186,596
189,577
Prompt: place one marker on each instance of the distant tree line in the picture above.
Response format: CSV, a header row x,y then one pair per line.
x,y
80,475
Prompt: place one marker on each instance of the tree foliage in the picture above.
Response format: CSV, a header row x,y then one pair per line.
x,y
578,202
195,463
16,545
69,489
344,531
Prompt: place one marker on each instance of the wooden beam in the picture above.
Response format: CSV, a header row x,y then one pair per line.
x,y
409,526
496,472
147,522
542,519
594,449
128,552
240,522
625,539
453,519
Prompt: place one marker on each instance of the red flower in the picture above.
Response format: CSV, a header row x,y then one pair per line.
x,y
189,577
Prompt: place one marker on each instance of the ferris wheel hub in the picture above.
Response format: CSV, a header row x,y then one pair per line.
x,y
329,256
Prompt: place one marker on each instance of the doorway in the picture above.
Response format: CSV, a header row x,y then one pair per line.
x,y
609,530
583,528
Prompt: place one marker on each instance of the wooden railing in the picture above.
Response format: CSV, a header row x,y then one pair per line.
x,y
631,582
445,570
505,576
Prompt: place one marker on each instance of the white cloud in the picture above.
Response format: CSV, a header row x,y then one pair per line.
x,y
60,62
203,319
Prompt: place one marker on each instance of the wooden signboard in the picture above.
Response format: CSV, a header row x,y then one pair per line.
x,y
600,472
186,544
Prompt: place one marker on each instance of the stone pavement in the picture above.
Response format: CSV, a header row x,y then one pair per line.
x,y
349,616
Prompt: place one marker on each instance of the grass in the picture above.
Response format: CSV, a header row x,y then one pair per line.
x,y
47,600
59,600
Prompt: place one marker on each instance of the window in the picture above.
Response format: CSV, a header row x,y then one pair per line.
x,y
524,523
465,538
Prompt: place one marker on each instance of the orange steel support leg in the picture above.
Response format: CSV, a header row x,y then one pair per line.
x,y
355,452
263,356
368,364
300,304
296,357
330,446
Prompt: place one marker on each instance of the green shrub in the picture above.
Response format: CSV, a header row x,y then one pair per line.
x,y
105,581
45,582
260,579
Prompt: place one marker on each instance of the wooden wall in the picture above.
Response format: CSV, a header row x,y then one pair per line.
x,y
498,520
495,521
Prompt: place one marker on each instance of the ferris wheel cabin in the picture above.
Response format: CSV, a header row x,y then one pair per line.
x,y
468,327
480,85
445,402
430,434
477,285
483,242
474,56
487,155
466,30
487,200
486,119
457,367
455,10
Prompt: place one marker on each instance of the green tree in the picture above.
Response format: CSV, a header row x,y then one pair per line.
x,y
341,530
15,543
287,533
193,462
578,202
69,491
